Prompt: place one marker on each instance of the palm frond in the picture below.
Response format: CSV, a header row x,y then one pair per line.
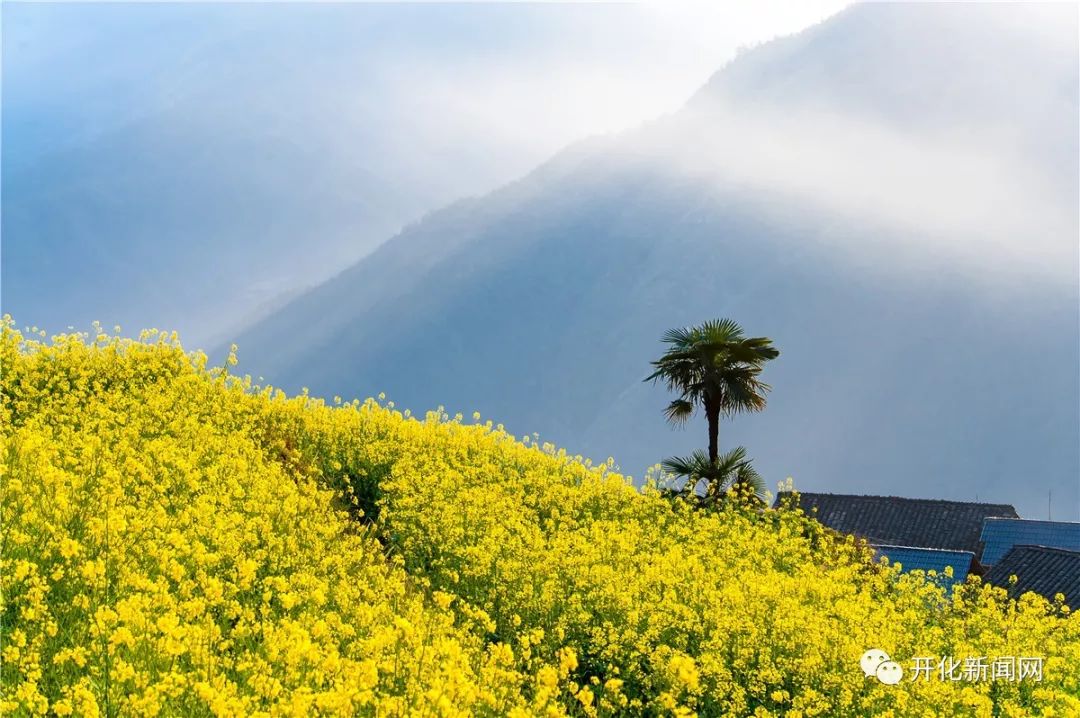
x,y
679,337
731,470
694,467
720,331
747,476
679,411
743,392
731,460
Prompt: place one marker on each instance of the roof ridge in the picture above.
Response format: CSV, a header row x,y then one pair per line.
x,y
923,548
1032,521
1040,547
897,498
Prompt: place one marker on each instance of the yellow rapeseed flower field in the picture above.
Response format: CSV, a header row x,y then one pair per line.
x,y
177,541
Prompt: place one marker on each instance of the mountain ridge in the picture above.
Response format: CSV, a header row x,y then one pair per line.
x,y
541,303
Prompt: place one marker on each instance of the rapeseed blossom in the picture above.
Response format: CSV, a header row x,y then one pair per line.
x,y
179,541
164,554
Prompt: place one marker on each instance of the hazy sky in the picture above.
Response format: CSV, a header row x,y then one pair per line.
x,y
528,78
407,106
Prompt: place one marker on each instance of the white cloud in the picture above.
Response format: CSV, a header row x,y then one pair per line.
x,y
589,73
959,195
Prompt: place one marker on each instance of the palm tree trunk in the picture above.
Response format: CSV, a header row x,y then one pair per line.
x,y
714,434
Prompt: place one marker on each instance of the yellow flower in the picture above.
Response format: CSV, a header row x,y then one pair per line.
x,y
201,538
69,548
568,662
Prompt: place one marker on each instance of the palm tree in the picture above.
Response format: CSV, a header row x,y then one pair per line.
x,y
732,469
716,367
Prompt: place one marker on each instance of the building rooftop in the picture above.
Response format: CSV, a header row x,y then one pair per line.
x,y
1046,571
1001,534
898,521
930,559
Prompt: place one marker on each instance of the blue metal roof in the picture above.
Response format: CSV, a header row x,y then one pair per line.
x,y
930,559
900,521
1001,534
1046,571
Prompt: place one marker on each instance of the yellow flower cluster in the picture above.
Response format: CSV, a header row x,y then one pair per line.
x,y
159,558
673,611
177,541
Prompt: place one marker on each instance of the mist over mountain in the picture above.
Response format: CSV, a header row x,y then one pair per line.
x,y
185,166
891,196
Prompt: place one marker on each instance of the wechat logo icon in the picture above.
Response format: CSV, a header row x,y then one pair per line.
x,y
877,663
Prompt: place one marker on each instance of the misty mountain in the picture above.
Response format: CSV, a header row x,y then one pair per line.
x,y
891,196
184,166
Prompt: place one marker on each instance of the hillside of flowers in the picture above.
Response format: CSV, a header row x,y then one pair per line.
x,y
177,541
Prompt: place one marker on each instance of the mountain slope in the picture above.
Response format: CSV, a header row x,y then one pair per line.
x,y
878,194
213,158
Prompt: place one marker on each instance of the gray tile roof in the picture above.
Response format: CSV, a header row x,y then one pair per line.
x,y
1000,534
1046,571
930,559
897,521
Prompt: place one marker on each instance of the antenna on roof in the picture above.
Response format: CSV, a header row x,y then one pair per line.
x,y
1049,493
